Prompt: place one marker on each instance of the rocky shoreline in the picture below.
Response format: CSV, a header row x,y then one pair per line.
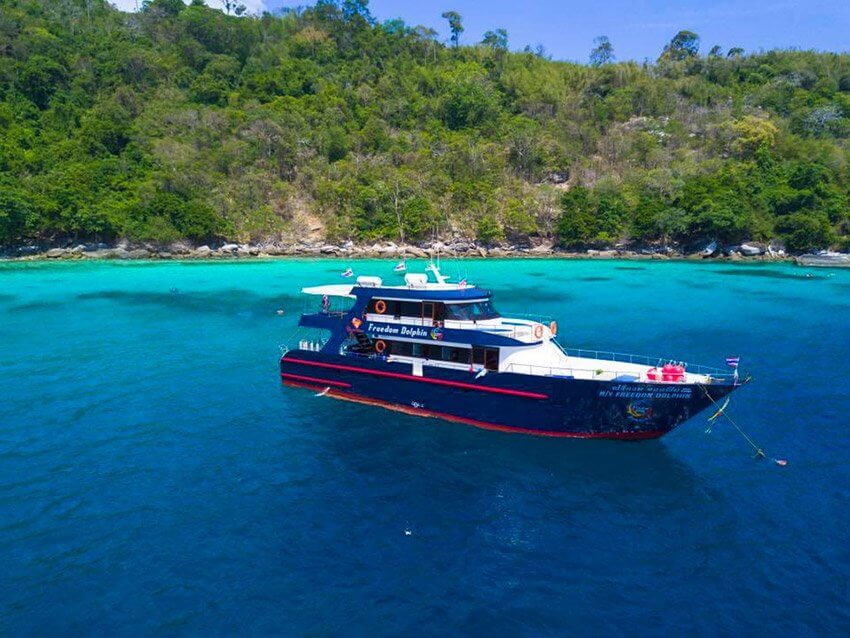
x,y
349,250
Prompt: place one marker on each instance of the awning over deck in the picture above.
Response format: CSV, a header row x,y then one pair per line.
x,y
331,290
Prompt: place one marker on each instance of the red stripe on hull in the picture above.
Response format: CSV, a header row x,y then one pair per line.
x,y
410,377
396,407
325,382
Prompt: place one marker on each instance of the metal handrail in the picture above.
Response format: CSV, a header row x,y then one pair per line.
x,y
539,318
548,371
622,357
553,371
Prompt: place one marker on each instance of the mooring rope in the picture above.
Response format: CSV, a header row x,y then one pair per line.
x,y
722,412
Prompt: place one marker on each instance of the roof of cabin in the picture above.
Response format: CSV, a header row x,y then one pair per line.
x,y
429,292
416,287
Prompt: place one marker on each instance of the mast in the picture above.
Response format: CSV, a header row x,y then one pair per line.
x,y
441,279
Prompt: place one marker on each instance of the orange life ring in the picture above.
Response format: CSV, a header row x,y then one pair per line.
x,y
380,346
553,328
538,331
380,306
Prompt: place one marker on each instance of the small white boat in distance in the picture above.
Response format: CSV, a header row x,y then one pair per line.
x,y
825,258
347,273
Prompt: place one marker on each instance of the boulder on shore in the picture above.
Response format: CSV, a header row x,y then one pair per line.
x,y
542,249
119,253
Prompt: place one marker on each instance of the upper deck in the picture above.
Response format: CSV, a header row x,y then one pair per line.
x,y
416,287
442,324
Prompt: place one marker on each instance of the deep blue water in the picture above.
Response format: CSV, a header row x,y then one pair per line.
x,y
156,478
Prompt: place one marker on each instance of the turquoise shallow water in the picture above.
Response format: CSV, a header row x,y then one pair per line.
x,y
155,477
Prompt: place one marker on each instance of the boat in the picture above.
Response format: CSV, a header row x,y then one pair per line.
x,y
825,258
750,250
433,348
709,250
400,267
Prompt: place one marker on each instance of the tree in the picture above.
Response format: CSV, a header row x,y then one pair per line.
x,y
497,39
715,52
684,45
353,9
235,7
735,52
40,78
751,133
575,226
166,7
428,36
455,25
468,103
603,52
803,232
488,231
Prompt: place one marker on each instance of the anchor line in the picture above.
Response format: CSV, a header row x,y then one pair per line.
x,y
722,412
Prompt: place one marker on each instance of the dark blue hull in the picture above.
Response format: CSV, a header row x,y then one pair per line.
x,y
543,406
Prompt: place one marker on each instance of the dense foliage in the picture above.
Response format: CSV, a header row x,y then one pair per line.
x,y
184,122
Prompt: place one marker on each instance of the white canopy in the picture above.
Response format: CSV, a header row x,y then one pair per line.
x,y
331,290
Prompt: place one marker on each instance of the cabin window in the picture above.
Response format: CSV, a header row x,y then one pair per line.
x,y
434,312
430,351
491,358
488,357
396,309
470,311
401,348
410,309
431,311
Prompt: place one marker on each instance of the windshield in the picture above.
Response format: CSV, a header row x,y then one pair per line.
x,y
471,311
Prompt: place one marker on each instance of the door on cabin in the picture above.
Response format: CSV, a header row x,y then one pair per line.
x,y
433,313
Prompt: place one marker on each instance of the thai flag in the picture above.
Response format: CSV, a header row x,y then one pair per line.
x,y
462,283
732,362
348,273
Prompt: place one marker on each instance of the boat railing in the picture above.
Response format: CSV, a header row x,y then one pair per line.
x,y
310,339
602,374
599,374
529,316
651,362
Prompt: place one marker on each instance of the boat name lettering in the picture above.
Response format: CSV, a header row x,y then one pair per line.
x,y
384,329
631,391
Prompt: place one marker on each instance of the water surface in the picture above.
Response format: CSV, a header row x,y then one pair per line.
x,y
155,477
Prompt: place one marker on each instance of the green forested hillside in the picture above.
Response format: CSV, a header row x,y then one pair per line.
x,y
183,122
